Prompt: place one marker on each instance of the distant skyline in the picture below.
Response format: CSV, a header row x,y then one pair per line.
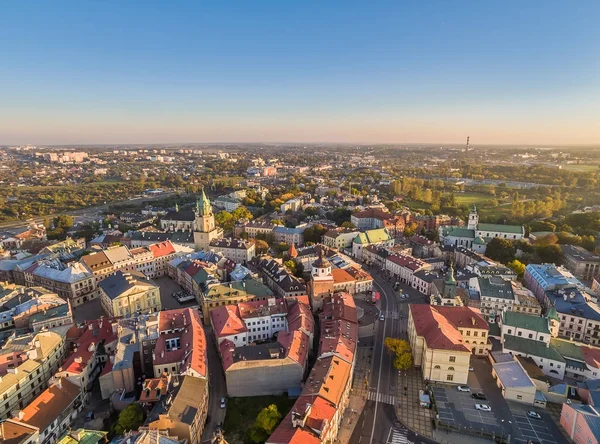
x,y
90,72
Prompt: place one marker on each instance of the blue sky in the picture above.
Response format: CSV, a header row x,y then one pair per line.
x,y
365,72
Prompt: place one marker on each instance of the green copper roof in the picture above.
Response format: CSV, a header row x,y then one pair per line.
x,y
568,349
522,320
479,241
531,347
450,276
459,232
552,314
513,229
203,206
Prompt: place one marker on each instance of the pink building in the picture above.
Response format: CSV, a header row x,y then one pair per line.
x,y
582,423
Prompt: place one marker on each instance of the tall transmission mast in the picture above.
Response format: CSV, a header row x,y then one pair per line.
x,y
467,143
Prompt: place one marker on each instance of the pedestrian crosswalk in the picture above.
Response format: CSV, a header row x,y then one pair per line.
x,y
398,435
382,397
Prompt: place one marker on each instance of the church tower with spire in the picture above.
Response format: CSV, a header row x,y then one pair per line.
x,y
205,223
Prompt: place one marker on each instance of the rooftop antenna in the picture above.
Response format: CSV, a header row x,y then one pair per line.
x,y
467,143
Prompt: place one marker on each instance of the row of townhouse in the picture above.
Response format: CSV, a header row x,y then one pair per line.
x,y
316,416
28,362
78,281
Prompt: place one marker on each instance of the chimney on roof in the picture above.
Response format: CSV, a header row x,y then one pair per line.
x,y
59,383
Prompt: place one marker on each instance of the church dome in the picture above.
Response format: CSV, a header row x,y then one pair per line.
x,y
321,262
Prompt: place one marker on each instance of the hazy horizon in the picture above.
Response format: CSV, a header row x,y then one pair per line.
x,y
337,72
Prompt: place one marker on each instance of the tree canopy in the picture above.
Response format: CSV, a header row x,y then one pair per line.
x,y
265,423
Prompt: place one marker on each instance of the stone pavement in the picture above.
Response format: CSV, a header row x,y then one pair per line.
x,y
408,411
358,394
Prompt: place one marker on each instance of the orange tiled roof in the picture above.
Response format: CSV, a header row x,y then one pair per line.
x,y
50,404
340,275
591,356
328,378
162,249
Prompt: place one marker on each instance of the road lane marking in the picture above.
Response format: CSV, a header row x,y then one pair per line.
x,y
380,360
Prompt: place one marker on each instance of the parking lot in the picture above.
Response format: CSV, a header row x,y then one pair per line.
x,y
458,408
541,430
167,287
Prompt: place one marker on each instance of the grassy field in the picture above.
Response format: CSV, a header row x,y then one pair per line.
x,y
469,199
241,413
581,168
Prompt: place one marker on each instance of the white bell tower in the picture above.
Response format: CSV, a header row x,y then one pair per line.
x,y
473,219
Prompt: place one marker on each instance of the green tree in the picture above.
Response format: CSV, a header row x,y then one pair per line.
x,y
549,239
348,224
518,267
130,418
403,361
224,219
265,423
501,250
549,253
290,265
261,246
397,345
401,348
241,212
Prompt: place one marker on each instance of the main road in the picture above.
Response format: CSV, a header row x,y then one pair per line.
x,y
377,423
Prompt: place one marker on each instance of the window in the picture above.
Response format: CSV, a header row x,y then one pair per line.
x,y
541,338
450,369
519,397
530,335
452,359
449,377
483,334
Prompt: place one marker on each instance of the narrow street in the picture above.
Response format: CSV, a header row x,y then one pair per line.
x,y
217,387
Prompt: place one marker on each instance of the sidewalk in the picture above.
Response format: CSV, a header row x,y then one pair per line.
x,y
408,411
358,394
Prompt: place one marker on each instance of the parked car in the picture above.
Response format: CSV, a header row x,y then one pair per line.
x,y
471,369
533,414
223,403
463,388
479,396
381,318
89,416
483,407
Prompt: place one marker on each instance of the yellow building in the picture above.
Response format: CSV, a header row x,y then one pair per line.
x,y
444,338
127,293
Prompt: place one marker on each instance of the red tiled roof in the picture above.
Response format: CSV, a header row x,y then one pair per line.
x,y
359,274
339,306
339,345
320,416
226,350
591,356
187,326
439,325
286,433
162,249
296,345
226,321
300,317
412,263
86,340
152,389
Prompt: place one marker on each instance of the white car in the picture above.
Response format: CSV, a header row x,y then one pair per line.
x,y
483,407
533,414
381,318
463,388
223,402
